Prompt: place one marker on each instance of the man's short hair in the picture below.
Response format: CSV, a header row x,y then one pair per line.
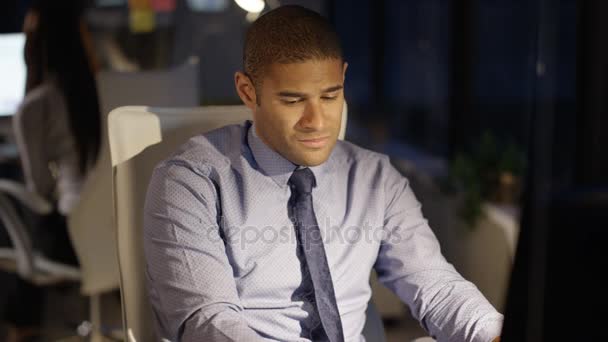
x,y
288,34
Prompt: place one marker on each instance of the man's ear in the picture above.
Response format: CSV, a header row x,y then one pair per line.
x,y
344,67
245,89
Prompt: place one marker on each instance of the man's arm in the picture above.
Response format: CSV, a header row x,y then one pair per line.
x,y
411,265
190,280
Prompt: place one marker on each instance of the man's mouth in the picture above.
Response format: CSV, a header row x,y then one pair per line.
x,y
314,142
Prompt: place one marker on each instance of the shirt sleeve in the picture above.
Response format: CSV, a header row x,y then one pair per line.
x,y
28,126
190,280
410,263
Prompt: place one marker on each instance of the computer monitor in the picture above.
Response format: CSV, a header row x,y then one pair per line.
x,y
110,3
12,72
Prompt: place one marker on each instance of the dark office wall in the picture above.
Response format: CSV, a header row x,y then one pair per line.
x,y
592,140
11,15
557,286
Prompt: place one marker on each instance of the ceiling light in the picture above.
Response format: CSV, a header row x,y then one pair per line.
x,y
252,6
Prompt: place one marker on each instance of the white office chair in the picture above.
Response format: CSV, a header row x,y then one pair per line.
x,y
22,258
159,132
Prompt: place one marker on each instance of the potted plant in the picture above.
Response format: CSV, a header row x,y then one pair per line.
x,y
488,172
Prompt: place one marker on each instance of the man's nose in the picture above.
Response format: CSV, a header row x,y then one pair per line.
x,y
312,118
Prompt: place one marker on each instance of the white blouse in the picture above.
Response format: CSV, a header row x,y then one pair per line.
x,y
47,148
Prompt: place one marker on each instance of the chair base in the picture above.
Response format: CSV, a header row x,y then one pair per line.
x,y
46,272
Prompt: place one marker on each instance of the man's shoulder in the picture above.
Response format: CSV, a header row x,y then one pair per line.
x,y
370,168
213,149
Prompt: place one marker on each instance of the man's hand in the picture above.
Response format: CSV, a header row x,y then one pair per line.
x,y
496,339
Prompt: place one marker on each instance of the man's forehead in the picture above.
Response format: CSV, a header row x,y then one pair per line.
x,y
320,72
309,64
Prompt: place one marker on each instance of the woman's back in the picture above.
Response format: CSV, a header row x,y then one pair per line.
x,y
47,146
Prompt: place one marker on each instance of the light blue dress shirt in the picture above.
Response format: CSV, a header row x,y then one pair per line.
x,y
221,251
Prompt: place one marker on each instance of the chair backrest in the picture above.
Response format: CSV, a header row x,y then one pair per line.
x,y
92,230
178,86
140,137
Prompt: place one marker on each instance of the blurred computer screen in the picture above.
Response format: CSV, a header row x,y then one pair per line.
x,y
106,3
13,71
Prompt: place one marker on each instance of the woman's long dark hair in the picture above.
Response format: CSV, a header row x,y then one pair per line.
x,y
56,48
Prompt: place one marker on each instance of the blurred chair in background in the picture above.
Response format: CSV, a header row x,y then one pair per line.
x,y
176,87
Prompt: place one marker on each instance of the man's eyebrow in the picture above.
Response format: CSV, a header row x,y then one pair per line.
x,y
332,89
298,94
290,94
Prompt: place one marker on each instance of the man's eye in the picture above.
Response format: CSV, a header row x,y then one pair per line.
x,y
329,98
290,101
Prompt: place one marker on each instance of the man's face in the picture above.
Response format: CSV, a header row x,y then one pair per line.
x,y
299,109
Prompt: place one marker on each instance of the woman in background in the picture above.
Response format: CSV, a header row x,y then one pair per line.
x,y
57,131
58,124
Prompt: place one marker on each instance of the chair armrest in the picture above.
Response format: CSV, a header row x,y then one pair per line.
x,y
19,237
31,200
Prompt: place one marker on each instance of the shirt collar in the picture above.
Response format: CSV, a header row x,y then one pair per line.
x,y
275,165
271,163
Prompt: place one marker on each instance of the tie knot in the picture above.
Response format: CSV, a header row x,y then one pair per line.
x,y
302,180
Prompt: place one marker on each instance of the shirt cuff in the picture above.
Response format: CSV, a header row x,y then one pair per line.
x,y
491,329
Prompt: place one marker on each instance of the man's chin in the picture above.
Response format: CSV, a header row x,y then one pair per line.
x,y
312,158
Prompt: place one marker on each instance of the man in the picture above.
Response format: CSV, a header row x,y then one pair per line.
x,y
268,231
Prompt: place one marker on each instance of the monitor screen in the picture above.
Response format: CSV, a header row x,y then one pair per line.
x,y
12,71
110,3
